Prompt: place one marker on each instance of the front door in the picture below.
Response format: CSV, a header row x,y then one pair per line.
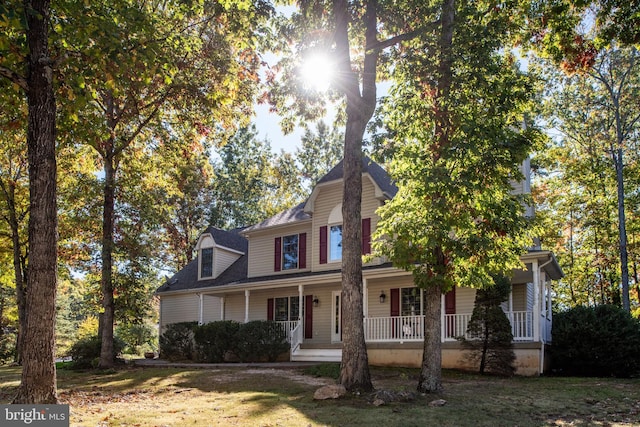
x,y
336,316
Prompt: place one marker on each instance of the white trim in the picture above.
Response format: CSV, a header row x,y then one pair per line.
x,y
200,308
247,292
536,300
284,281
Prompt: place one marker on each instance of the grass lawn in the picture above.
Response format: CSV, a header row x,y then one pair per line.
x,y
155,396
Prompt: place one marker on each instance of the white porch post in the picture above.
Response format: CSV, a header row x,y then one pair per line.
x,y
442,318
200,309
221,308
300,301
365,298
544,297
536,300
246,305
549,305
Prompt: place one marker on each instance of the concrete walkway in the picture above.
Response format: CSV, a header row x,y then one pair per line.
x,y
259,365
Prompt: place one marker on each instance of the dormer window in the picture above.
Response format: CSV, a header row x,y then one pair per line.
x,y
206,263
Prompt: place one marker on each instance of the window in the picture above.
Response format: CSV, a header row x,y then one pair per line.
x,y
206,262
410,302
335,242
286,308
290,252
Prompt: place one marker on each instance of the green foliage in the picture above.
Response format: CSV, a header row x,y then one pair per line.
x,y
255,341
319,152
456,154
260,339
596,341
251,182
594,120
176,343
489,341
215,340
85,353
138,338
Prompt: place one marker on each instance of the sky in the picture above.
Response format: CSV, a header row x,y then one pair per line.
x,y
268,127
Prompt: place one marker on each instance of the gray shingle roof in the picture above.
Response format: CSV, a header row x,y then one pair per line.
x,y
229,239
379,175
295,214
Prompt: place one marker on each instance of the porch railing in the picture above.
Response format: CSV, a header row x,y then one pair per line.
x,y
295,336
410,328
288,326
394,328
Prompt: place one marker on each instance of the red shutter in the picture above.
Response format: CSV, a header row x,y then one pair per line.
x,y
270,309
395,302
277,259
302,250
323,244
366,236
308,316
450,302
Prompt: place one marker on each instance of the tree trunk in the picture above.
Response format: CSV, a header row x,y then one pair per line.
x,y
431,373
106,332
622,231
354,371
19,271
38,381
430,380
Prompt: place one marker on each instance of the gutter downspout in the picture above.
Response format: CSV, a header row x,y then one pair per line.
x,y
540,267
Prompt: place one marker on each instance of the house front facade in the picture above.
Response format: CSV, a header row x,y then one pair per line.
x,y
287,269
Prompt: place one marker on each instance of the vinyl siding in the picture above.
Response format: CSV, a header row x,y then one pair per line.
x,y
178,308
519,292
261,250
465,300
234,307
329,197
210,309
223,259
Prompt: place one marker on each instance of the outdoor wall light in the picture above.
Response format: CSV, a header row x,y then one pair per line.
x,y
382,297
316,301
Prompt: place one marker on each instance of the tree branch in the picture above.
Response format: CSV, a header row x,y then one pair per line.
x,y
383,44
14,77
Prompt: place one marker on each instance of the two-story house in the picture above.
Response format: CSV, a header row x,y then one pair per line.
x,y
287,269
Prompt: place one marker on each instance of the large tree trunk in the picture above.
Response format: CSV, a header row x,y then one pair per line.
x,y
431,374
430,379
38,382
354,372
106,328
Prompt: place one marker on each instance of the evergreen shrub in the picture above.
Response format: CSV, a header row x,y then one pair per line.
x,y
214,340
177,342
260,339
85,353
596,341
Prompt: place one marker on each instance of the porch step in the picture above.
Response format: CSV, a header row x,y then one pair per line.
x,y
317,355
